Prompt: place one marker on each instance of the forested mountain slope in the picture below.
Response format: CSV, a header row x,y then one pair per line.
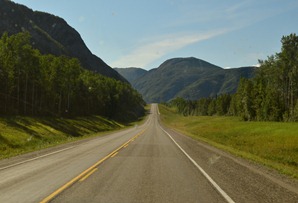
x,y
131,74
189,78
35,84
51,35
271,95
47,70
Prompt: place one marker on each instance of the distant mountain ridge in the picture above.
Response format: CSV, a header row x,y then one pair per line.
x,y
190,78
51,35
131,74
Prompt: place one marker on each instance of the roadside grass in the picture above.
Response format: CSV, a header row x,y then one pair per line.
x,y
274,144
19,135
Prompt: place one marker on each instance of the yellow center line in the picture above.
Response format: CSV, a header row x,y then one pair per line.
x,y
114,154
125,146
87,171
89,174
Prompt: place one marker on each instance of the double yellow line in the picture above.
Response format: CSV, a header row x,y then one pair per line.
x,y
85,174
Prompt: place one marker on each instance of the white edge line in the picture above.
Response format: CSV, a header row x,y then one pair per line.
x,y
45,155
223,193
158,110
28,160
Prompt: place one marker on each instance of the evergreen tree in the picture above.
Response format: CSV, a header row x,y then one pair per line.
x,y
35,84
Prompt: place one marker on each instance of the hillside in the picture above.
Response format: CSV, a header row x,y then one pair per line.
x,y
131,74
51,35
190,78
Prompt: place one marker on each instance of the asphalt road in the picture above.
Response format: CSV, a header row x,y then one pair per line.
x,y
142,164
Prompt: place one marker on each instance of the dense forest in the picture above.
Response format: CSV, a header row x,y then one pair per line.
x,y
272,95
45,85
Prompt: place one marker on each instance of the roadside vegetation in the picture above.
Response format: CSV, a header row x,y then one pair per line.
x,y
274,144
269,105
19,134
272,95
46,100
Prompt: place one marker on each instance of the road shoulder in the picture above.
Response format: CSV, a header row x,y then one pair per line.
x,y
251,180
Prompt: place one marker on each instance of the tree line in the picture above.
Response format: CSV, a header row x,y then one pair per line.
x,y
210,106
272,95
35,84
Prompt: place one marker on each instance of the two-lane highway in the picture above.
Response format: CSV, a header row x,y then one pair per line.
x,y
143,164
150,169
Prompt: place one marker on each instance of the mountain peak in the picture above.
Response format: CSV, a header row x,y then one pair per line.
x,y
51,35
188,62
190,78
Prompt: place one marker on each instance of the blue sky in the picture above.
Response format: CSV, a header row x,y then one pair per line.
x,y
145,33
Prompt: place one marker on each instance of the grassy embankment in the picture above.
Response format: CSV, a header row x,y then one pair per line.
x,y
274,144
19,135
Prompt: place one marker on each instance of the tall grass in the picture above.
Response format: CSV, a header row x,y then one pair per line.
x,y
24,134
20,135
274,144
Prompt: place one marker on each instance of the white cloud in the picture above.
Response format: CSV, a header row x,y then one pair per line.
x,y
154,49
233,17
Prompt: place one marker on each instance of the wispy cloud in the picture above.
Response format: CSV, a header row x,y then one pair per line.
x,y
231,17
155,48
236,7
249,12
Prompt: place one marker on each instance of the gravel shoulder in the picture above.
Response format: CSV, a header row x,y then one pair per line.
x,y
243,180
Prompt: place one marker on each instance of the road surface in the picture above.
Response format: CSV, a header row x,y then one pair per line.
x,y
147,163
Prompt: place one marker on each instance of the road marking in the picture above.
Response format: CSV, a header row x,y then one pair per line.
x,y
114,154
88,174
157,109
213,183
42,156
87,171
125,145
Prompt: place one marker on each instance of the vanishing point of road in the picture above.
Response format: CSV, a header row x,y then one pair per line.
x,y
147,163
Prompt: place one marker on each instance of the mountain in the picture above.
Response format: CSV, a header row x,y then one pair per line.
x,y
131,74
51,35
190,78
